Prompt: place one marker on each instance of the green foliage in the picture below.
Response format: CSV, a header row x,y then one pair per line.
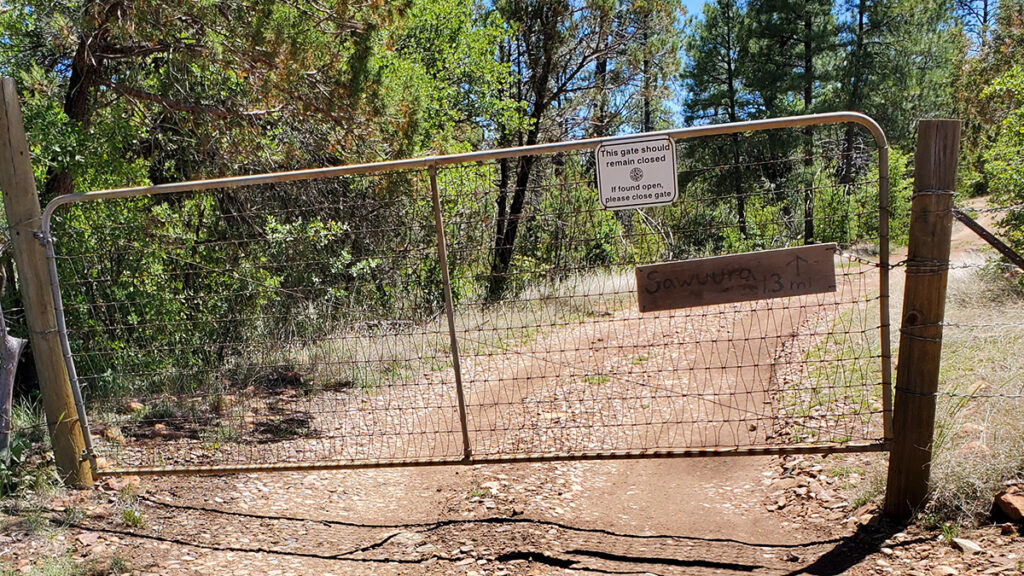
x,y
1005,158
712,75
444,54
132,517
901,188
863,212
987,52
22,464
196,283
12,466
572,231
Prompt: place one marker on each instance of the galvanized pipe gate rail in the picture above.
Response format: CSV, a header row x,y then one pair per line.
x,y
508,448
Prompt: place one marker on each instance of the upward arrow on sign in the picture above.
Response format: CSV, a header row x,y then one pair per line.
x,y
796,262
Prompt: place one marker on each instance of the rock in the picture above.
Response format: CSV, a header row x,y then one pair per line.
x,y
88,538
966,546
135,406
1011,502
113,435
1007,529
886,551
819,492
97,512
864,509
785,484
408,539
116,484
944,571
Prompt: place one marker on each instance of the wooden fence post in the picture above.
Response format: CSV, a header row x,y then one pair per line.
x,y
21,204
924,303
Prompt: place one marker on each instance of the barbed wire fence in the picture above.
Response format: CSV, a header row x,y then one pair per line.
x,y
475,311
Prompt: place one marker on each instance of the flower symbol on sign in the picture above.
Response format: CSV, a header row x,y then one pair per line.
x,y
636,174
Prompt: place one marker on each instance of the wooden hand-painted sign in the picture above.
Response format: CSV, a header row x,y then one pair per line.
x,y
737,278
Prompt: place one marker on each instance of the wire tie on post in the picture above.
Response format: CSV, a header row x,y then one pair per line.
x,y
932,192
908,334
903,390
946,212
926,266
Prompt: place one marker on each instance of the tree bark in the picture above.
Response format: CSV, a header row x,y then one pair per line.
x,y
808,42
854,101
86,68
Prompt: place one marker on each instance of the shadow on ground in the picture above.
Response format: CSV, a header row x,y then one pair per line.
x,y
539,542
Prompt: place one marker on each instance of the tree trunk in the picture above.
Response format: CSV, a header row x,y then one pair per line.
x,y
808,132
847,161
737,176
507,228
648,123
85,76
507,224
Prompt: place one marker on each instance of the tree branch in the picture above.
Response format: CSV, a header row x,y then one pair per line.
x,y
178,106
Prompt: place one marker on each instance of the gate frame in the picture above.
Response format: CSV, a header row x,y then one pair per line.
x,y
431,163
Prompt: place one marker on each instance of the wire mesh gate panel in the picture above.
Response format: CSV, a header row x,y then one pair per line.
x,y
477,308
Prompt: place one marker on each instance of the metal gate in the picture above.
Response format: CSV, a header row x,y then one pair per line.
x,y
476,308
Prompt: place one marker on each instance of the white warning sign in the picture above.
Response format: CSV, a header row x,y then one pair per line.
x,y
637,172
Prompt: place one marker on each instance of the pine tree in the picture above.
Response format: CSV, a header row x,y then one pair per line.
x,y
712,80
792,48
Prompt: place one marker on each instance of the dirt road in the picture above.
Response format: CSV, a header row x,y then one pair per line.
x,y
616,381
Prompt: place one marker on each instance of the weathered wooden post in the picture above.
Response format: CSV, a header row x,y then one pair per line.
x,y
924,303
21,204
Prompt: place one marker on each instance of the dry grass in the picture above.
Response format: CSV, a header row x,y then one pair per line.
x,y
389,354
979,443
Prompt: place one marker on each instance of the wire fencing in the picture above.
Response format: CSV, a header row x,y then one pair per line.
x,y
477,309
983,332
